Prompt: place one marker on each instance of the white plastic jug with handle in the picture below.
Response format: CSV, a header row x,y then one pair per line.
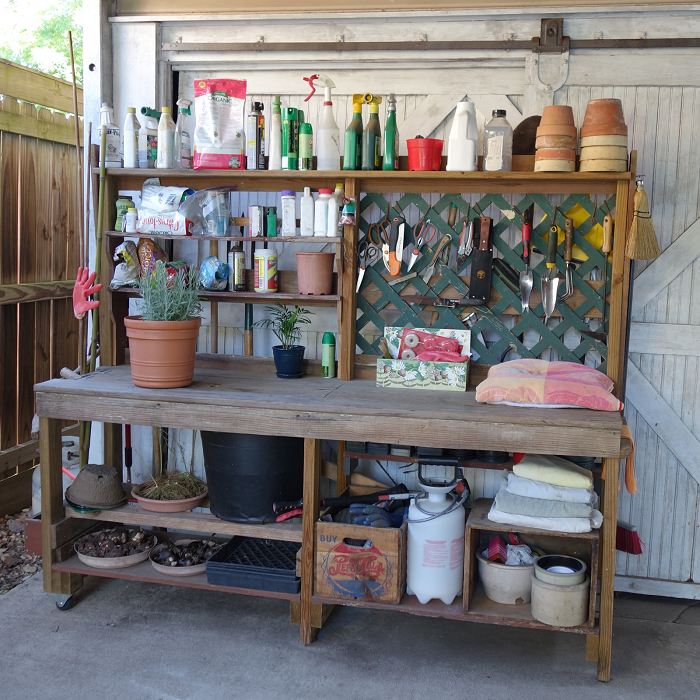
x,y
464,139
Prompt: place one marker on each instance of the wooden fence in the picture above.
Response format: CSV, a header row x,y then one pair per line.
x,y
38,259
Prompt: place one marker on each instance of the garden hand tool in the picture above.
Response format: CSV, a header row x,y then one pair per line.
x,y
394,249
568,253
550,280
482,261
440,302
367,253
465,243
506,273
431,268
526,278
382,239
403,279
424,232
606,248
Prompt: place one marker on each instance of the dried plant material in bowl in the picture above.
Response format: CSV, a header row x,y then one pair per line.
x,y
183,557
117,548
173,492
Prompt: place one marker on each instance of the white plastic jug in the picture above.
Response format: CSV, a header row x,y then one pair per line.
x,y
464,139
435,551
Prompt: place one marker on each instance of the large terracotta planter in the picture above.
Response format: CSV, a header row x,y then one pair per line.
x,y
162,352
604,112
315,273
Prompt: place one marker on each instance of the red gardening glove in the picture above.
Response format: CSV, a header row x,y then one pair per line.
x,y
82,290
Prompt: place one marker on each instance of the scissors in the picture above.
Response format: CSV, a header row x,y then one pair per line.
x,y
424,232
382,237
367,253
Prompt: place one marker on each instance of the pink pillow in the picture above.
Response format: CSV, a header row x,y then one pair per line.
x,y
530,382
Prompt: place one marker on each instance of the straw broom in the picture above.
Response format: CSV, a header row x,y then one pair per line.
x,y
641,242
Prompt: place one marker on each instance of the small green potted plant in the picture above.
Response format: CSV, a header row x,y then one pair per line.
x,y
163,338
285,325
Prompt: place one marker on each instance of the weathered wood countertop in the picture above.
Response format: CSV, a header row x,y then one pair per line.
x,y
313,407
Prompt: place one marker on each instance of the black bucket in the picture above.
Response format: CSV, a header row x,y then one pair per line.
x,y
246,474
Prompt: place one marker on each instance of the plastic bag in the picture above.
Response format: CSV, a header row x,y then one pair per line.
x,y
126,273
148,253
219,135
159,209
208,211
520,555
213,274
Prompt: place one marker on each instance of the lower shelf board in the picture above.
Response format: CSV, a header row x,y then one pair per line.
x,y
481,610
146,573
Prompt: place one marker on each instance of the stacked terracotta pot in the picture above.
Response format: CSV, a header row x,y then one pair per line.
x,y
556,141
604,137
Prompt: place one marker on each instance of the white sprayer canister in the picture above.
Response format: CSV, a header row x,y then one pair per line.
x,y
265,267
435,549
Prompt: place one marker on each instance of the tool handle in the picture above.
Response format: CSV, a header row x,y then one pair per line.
x,y
451,215
607,234
568,240
552,246
485,233
285,506
446,239
527,233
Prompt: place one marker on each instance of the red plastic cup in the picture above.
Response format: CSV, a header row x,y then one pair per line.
x,y
424,154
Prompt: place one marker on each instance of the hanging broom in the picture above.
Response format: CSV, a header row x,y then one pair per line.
x,y
641,242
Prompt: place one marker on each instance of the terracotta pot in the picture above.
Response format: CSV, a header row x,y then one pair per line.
x,y
556,142
558,130
315,273
555,154
162,352
604,130
177,505
603,113
555,166
557,115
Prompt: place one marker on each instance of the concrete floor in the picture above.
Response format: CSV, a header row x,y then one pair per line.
x,y
127,641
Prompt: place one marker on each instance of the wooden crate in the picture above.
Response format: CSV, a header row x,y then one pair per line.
x,y
375,572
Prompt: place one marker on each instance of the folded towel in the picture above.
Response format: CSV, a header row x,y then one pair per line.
x,y
554,470
508,502
551,524
538,489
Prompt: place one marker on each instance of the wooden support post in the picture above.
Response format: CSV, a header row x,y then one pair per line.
x,y
607,592
52,506
113,445
312,474
214,310
341,481
347,276
592,641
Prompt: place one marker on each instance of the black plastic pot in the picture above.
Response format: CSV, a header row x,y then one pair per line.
x,y
246,474
288,361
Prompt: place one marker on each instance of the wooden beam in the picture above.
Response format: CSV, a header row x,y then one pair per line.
x,y
14,456
35,291
676,258
669,589
34,86
29,125
663,420
16,493
665,339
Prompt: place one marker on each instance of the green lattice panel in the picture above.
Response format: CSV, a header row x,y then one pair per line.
x,y
549,338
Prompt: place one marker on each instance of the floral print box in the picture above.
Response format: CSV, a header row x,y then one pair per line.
x,y
418,374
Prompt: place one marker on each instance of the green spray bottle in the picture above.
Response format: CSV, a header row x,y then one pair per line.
x,y
372,136
391,137
352,153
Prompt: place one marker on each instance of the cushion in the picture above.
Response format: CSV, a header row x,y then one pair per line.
x,y
530,382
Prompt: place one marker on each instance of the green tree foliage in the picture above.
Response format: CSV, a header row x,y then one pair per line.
x,y
34,33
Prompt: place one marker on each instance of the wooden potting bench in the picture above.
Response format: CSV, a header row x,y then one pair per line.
x,y
241,395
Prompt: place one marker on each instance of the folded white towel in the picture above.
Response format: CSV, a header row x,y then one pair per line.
x,y
538,489
552,524
554,470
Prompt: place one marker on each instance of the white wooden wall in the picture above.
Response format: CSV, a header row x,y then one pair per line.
x,y
660,90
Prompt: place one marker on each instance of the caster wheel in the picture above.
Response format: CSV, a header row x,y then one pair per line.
x,y
65,605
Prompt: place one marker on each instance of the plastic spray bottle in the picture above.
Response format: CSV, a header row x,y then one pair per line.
x,y
131,139
372,136
166,140
112,157
327,133
390,161
275,136
352,153
183,141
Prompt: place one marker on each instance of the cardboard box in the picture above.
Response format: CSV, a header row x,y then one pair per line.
x,y
358,562
418,374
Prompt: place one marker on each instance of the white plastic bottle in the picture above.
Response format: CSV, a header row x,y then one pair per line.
x,y
335,204
112,157
289,213
321,213
435,548
182,144
327,134
166,140
274,161
307,213
148,143
464,139
131,139
498,144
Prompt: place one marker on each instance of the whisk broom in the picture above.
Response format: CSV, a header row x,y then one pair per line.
x,y
641,242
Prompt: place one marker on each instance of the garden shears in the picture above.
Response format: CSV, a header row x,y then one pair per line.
x,y
424,232
367,253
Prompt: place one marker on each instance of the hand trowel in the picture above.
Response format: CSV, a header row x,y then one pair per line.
x,y
550,279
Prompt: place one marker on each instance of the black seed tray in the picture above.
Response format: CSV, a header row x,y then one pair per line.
x,y
263,565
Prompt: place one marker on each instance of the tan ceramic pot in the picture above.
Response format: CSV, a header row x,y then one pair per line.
x,y
162,352
555,154
604,112
557,115
557,130
555,166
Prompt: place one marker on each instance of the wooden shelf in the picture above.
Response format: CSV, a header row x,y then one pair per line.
x,y
146,573
256,297
244,239
482,610
193,522
467,464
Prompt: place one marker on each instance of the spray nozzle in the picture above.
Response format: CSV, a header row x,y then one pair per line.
x,y
183,106
324,80
148,112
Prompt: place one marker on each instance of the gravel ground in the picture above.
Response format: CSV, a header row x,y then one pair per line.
x,y
15,564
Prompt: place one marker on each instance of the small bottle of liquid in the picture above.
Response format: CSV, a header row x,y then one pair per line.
x,y
335,204
321,213
130,220
328,355
131,139
271,227
236,269
166,140
498,144
307,213
289,213
306,147
123,204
